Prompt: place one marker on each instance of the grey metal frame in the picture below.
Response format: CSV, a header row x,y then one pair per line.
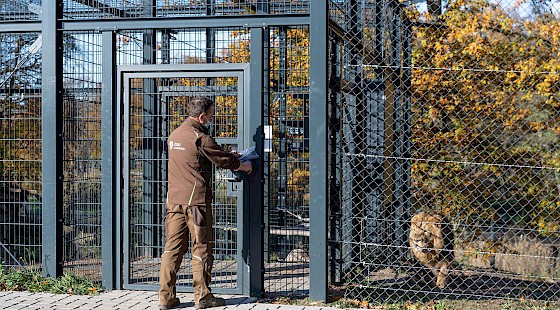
x,y
254,185
125,73
52,139
53,25
111,182
249,21
318,134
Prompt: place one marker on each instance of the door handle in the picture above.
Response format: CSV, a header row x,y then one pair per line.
x,y
232,179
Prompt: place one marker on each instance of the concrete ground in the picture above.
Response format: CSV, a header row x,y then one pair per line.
x,y
130,300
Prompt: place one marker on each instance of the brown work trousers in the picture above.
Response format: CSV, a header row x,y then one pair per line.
x,y
198,219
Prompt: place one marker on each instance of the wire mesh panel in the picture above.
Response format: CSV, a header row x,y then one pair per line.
x,y
20,10
82,154
444,123
184,46
157,106
287,161
20,149
81,9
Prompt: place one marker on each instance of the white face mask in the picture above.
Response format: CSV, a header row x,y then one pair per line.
x,y
209,123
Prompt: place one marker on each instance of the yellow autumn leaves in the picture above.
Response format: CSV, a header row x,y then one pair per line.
x,y
485,89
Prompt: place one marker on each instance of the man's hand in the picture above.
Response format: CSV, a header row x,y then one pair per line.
x,y
236,153
246,167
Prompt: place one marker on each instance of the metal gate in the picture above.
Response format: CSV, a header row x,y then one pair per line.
x,y
154,104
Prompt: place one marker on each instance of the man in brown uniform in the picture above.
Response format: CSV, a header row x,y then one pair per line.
x,y
192,151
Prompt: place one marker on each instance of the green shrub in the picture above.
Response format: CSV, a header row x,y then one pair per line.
x,y
33,281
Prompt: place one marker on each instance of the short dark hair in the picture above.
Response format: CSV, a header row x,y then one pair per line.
x,y
198,105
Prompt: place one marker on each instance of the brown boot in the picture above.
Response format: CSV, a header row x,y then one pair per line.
x,y
210,301
171,304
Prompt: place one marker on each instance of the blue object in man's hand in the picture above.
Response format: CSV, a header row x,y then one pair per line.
x,y
248,154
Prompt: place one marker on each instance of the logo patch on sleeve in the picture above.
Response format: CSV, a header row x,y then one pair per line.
x,y
175,146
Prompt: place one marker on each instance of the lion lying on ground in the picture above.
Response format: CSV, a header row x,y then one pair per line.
x,y
431,243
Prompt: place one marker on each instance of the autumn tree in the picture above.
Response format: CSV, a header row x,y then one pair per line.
x,y
485,109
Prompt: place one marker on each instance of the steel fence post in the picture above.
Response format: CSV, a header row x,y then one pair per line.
x,y
52,115
318,81
255,185
109,161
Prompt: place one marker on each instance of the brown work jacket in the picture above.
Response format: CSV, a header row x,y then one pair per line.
x,y
191,154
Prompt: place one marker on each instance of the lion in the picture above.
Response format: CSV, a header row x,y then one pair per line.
x,y
431,243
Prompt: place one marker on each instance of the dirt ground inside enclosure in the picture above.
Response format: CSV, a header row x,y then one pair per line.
x,y
471,289
90,269
378,300
281,279
435,304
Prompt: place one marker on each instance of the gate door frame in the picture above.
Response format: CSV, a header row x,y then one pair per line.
x,y
246,132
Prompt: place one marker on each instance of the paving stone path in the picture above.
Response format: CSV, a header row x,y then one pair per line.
x,y
130,300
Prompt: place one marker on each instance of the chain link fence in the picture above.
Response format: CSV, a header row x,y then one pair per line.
x,y
444,171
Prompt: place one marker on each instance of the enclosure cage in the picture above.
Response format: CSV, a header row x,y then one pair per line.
x,y
364,114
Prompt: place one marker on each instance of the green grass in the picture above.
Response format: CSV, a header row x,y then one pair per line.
x,y
32,280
